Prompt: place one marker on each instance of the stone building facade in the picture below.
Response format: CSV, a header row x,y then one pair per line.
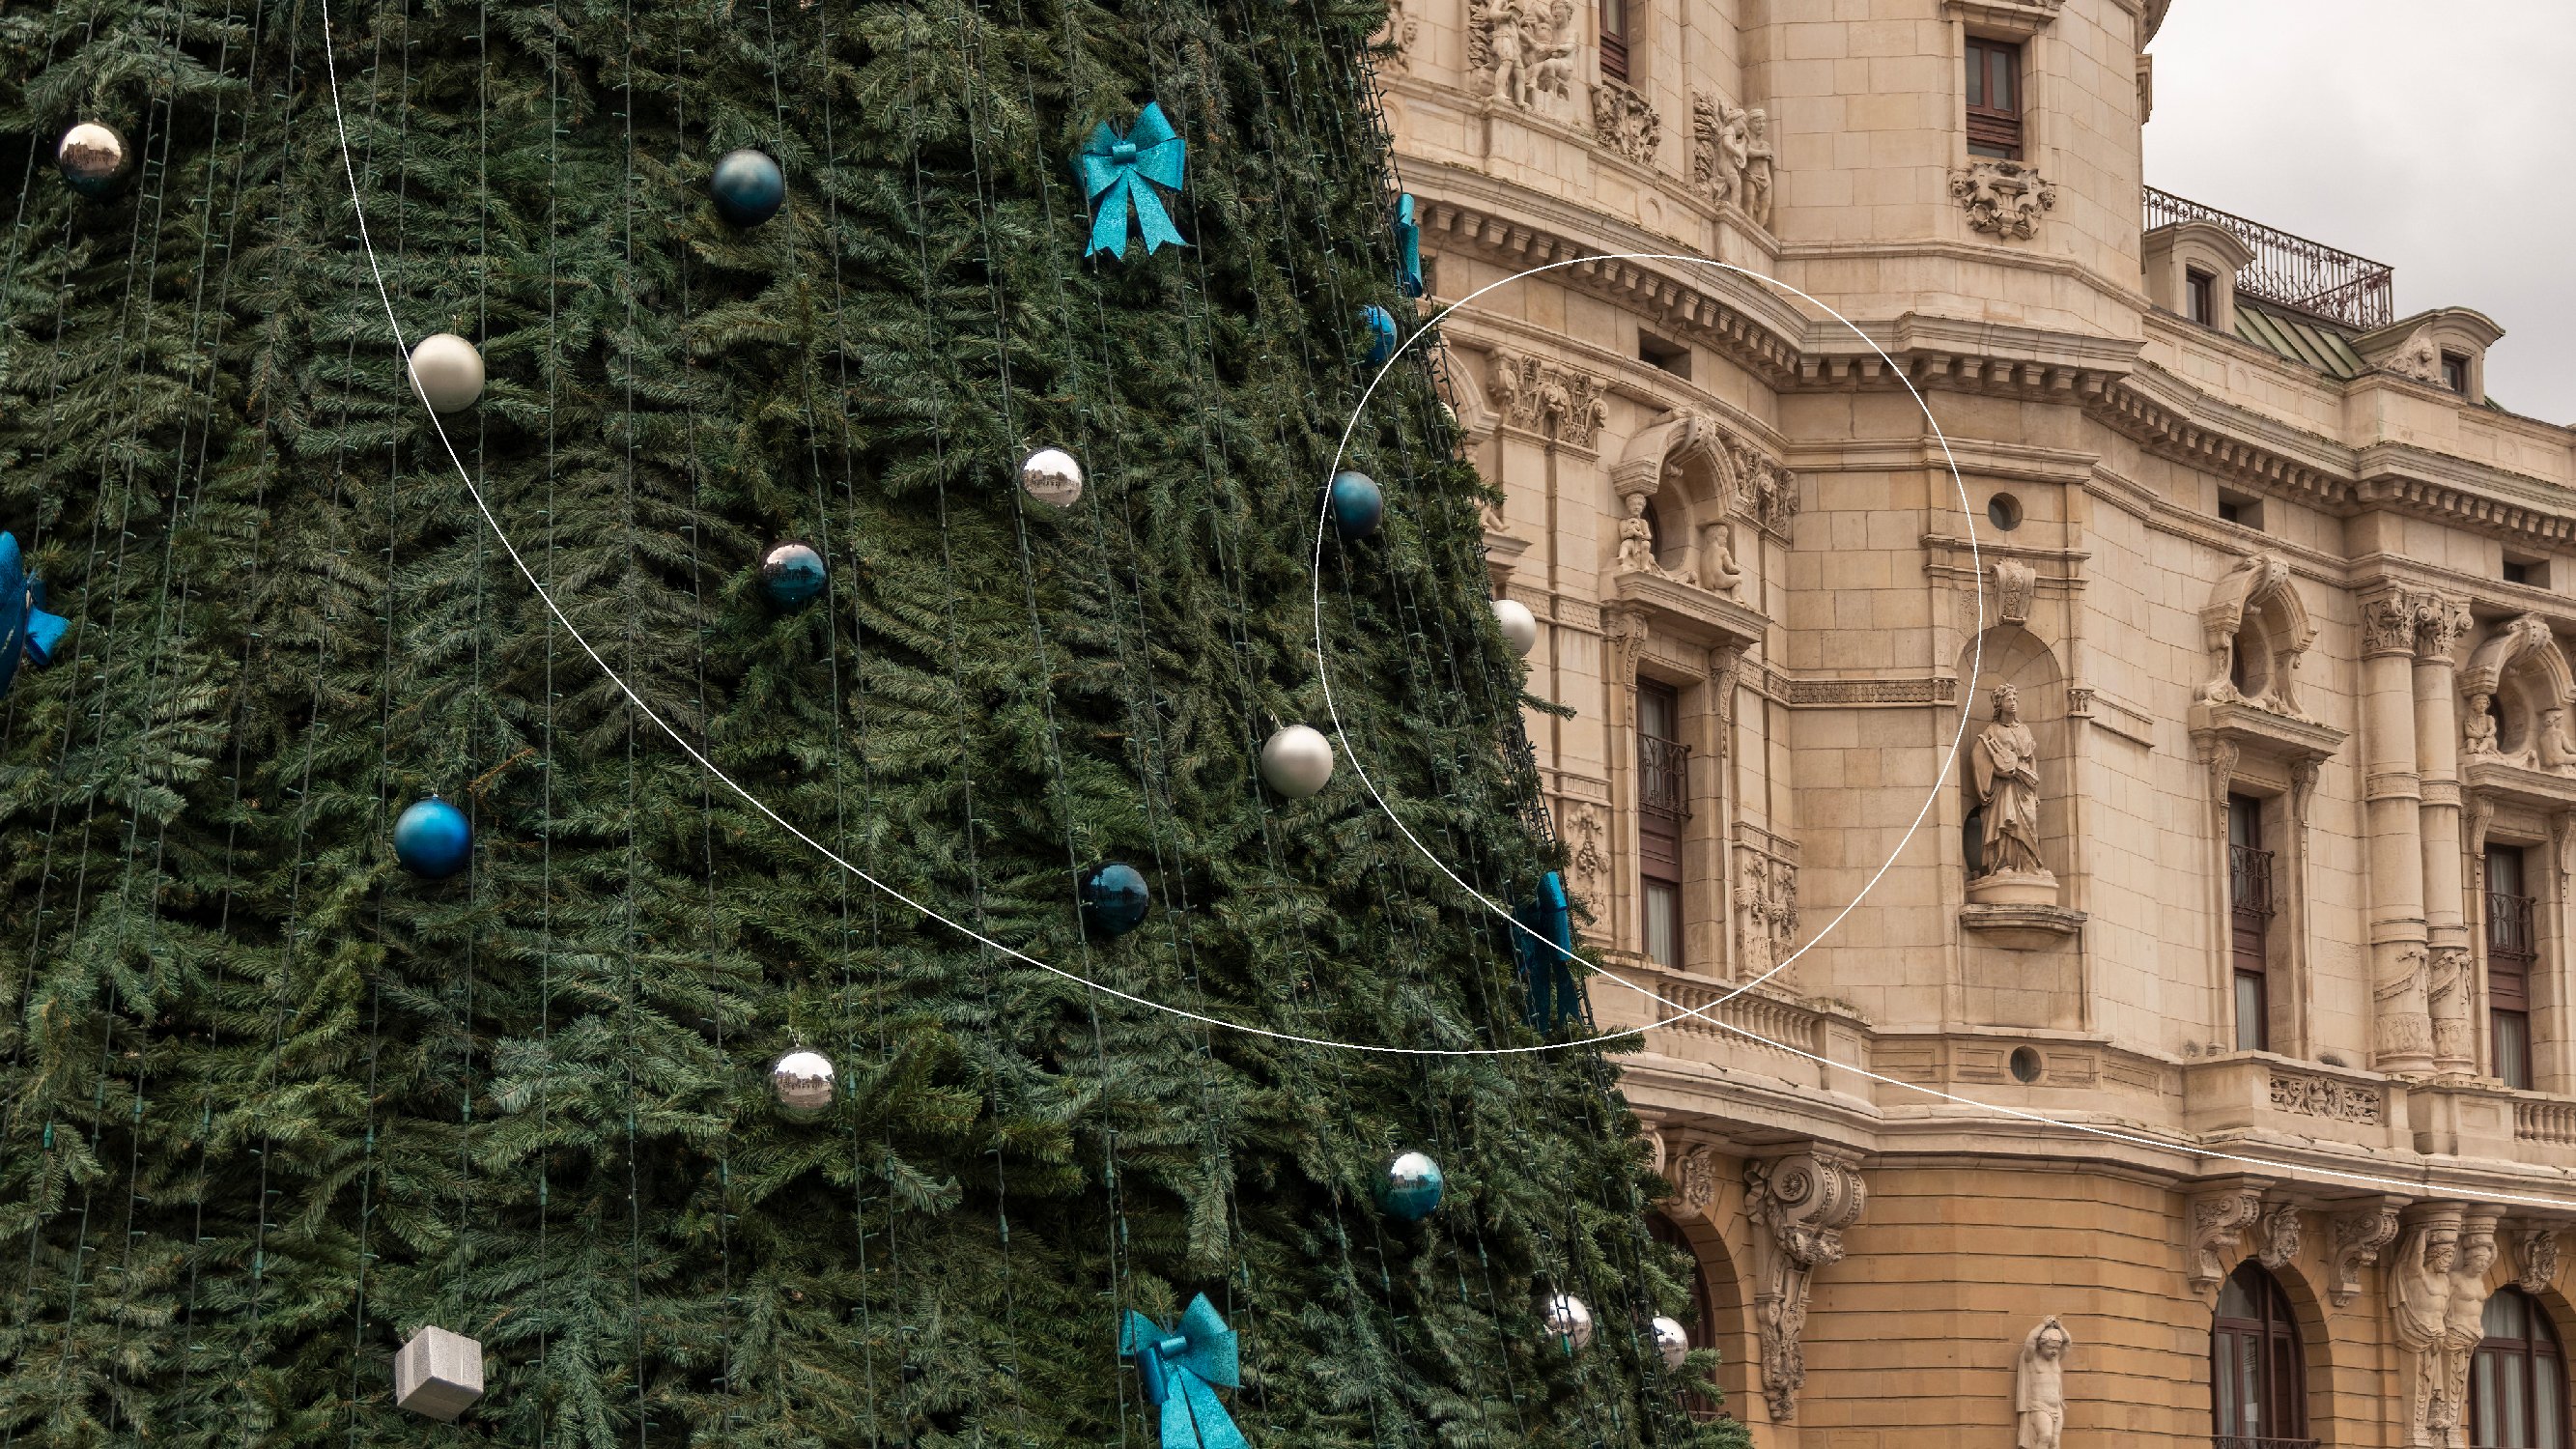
x,y
2267,855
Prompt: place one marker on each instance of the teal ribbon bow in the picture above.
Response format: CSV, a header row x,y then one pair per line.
x,y
26,630
1408,241
1114,171
1178,1367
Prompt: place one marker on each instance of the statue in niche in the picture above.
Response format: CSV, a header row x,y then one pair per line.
x,y
2039,1386
1757,167
1718,572
2556,751
2004,768
1637,539
2478,732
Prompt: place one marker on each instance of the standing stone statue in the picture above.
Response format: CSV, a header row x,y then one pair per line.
x,y
2039,1385
2419,1298
2004,767
1758,157
2464,1313
1511,66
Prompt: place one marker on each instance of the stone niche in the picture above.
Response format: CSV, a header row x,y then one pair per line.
x,y
2012,777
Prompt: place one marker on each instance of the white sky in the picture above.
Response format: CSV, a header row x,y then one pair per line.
x,y
2438,136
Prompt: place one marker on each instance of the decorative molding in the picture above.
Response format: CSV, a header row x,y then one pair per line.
x,y
2218,1223
2402,620
1626,121
2278,1233
2018,19
1538,395
1623,634
2535,1258
2312,1096
2360,1234
1938,689
1799,1206
1583,828
2448,988
2002,198
2015,584
1766,900
2257,599
2022,927
1694,1179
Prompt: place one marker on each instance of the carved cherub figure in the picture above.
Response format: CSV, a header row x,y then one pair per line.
x,y
2557,751
2039,1386
1554,73
1718,572
1637,538
2478,731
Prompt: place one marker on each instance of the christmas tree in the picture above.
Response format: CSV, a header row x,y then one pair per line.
x,y
275,1105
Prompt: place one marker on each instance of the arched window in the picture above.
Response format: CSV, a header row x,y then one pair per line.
x,y
1700,1405
2518,1390
2258,1384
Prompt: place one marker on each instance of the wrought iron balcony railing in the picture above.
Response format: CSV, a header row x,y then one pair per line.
x,y
2510,936
1663,777
2249,880
2292,270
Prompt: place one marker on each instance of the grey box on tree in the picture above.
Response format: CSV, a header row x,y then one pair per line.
x,y
438,1374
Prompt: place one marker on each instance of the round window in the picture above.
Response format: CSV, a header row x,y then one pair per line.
x,y
2025,1065
2004,512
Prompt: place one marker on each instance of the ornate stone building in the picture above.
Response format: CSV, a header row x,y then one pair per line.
x,y
2258,843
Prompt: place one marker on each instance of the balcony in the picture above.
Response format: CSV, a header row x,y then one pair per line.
x,y
2293,271
1663,777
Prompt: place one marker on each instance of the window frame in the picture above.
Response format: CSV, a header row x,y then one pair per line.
x,y
2536,1349
2512,938
2455,371
1663,803
2252,902
1618,27
1995,131
2200,296
2273,1336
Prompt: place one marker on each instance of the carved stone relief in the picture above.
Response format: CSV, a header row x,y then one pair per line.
x,y
1766,900
1589,865
2401,620
2003,776
2447,989
1766,491
1626,120
1539,396
2256,610
1799,1206
2419,357
2278,1236
2399,1006
2002,198
2015,585
1522,52
2359,1237
2218,1224
2437,1297
2535,1258
2325,1097
1731,155
1403,27
1694,1177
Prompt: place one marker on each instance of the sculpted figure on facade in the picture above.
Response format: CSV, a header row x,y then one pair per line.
x,y
2464,1312
1637,539
1624,118
2556,752
2419,1299
1403,27
1538,396
1731,155
2039,1386
1799,1206
2419,357
1765,491
2400,1008
1758,158
2478,728
1552,77
2004,773
2447,988
1718,571
1497,50
2002,198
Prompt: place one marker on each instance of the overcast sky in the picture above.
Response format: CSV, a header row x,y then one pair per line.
x,y
2435,137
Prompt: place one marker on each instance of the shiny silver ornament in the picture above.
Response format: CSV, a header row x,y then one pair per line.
x,y
1672,1341
1569,1322
448,370
92,157
803,1083
1050,476
1520,626
1297,762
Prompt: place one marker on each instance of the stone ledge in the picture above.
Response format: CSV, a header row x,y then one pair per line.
x,y
2022,927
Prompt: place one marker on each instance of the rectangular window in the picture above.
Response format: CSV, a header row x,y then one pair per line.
x,y
2249,917
2512,949
2455,372
1994,98
1663,803
2200,296
1614,39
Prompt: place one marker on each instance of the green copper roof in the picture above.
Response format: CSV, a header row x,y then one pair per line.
x,y
2302,340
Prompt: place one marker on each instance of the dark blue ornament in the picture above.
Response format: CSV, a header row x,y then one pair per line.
x,y
1114,898
1358,506
790,574
1410,1187
1552,995
432,840
26,630
1381,330
749,188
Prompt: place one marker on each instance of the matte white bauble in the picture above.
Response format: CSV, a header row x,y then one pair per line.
x,y
802,1082
1297,761
1569,1321
1672,1341
1520,626
448,370
1052,477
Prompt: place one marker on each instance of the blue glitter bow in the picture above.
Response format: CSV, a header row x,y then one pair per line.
x,y
1115,171
1408,243
1177,1368
1547,964
26,630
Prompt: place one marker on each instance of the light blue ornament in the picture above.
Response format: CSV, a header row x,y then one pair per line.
x,y
1381,330
1408,246
1178,1368
749,188
26,630
791,573
1411,1187
1358,506
432,839
1115,171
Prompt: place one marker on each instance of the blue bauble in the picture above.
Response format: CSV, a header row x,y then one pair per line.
x,y
1410,1187
431,839
748,187
1114,898
791,573
1381,330
1358,506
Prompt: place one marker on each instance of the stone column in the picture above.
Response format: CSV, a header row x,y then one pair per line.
x,y
2402,1030
2450,985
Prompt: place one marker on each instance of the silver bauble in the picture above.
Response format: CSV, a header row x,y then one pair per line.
x,y
92,157
448,370
1672,1341
802,1082
1520,626
1297,761
1050,476
1568,1321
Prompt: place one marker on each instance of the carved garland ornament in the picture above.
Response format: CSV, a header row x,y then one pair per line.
x,y
2003,198
1539,396
1799,1206
2325,1097
1626,120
